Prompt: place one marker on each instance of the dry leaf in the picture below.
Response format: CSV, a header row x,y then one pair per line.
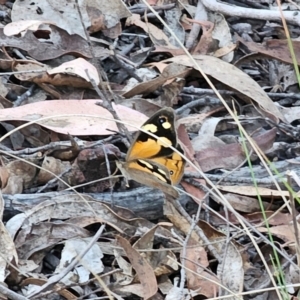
x,y
61,43
79,67
92,124
238,80
143,269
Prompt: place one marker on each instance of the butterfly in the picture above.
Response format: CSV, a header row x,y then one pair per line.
x,y
150,160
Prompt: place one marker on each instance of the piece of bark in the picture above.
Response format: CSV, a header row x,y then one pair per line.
x,y
143,202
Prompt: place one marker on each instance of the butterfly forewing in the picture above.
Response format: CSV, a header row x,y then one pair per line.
x,y
145,146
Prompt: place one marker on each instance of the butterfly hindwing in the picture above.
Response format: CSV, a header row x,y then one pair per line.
x,y
149,173
174,163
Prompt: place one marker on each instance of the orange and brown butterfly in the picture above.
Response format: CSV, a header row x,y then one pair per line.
x,y
150,160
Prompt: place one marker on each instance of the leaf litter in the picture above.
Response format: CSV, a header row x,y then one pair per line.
x,y
60,142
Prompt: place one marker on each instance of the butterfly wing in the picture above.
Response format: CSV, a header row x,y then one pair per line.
x,y
145,146
151,161
149,173
174,163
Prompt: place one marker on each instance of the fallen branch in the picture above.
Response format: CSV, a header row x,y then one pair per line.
x,y
292,17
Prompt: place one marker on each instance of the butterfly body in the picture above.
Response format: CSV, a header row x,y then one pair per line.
x,y
150,160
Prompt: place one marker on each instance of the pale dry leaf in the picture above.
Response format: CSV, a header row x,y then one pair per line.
x,y
203,141
198,278
172,19
15,225
253,191
274,218
84,221
54,165
198,195
136,289
23,170
243,203
38,69
290,113
159,260
165,286
158,65
31,284
193,122
2,202
113,11
4,175
156,35
222,33
14,185
176,292
64,76
170,73
79,67
7,250
66,16
209,125
62,207
145,74
27,266
233,77
293,276
206,43
224,51
3,88
92,124
37,237
18,27
178,220
284,232
125,277
90,263
230,272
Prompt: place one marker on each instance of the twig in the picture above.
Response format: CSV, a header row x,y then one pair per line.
x,y
294,216
61,145
75,284
234,179
130,70
51,182
18,53
200,15
109,175
24,96
200,92
10,294
197,102
198,230
106,103
142,8
261,14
